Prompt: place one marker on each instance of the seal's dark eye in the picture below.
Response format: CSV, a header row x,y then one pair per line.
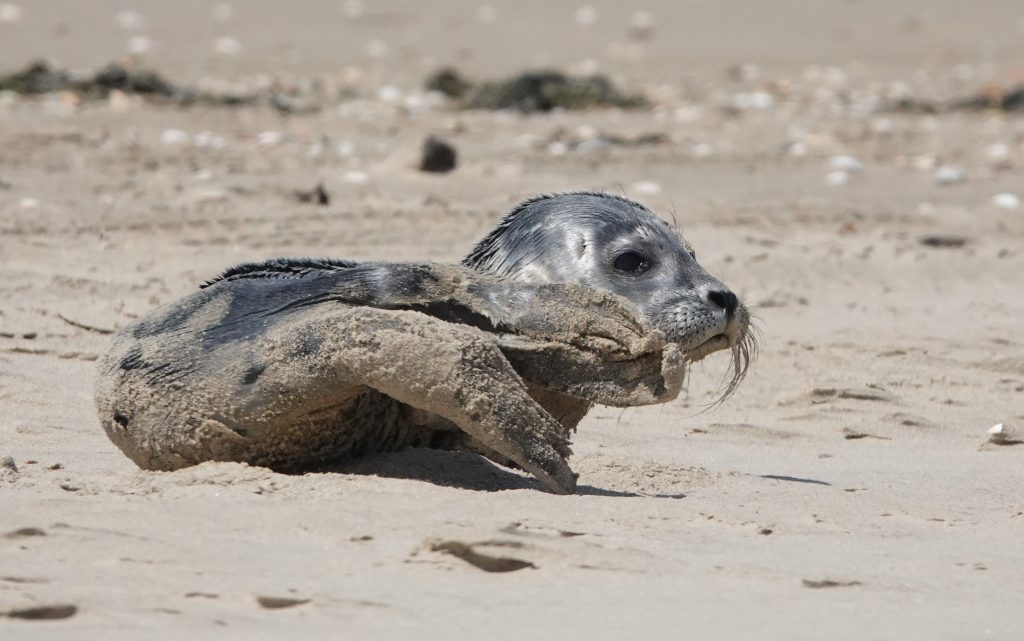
x,y
631,262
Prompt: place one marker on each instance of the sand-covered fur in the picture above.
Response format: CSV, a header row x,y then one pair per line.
x,y
294,364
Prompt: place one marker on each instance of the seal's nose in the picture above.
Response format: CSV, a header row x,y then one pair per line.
x,y
725,299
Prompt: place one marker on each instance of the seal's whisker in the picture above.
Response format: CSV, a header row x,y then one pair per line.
x,y
675,220
742,355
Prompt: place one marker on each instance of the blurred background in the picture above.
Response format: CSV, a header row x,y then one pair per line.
x,y
399,42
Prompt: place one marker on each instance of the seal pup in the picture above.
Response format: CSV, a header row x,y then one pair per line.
x,y
295,363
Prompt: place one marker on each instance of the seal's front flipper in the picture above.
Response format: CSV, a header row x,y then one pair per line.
x,y
456,372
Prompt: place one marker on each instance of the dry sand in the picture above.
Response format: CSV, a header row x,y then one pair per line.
x,y
845,492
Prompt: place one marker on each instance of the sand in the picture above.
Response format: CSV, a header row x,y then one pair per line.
x,y
847,490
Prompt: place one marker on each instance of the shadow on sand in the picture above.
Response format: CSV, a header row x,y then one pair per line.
x,y
460,470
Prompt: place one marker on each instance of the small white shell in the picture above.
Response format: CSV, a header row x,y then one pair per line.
x,y
1004,434
1006,201
138,45
355,177
949,175
174,137
269,138
845,163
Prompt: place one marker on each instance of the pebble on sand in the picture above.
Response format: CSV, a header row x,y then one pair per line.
x,y
210,140
389,93
845,163
269,138
317,195
754,100
355,177
438,156
138,45
1006,201
558,148
174,137
949,175
1005,434
345,149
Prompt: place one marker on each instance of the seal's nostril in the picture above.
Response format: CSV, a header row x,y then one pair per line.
x,y
724,299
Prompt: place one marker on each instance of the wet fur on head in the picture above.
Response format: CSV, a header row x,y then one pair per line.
x,y
481,257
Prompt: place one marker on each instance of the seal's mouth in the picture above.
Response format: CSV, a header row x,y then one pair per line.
x,y
716,343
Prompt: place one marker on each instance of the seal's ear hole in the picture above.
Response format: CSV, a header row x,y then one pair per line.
x,y
631,262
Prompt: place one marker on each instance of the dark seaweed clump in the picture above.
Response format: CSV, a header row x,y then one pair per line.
x,y
533,91
449,82
1003,100
40,78
993,99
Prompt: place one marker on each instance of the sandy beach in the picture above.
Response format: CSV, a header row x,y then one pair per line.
x,y
813,155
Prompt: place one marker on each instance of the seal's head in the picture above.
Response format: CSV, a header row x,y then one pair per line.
x,y
610,242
